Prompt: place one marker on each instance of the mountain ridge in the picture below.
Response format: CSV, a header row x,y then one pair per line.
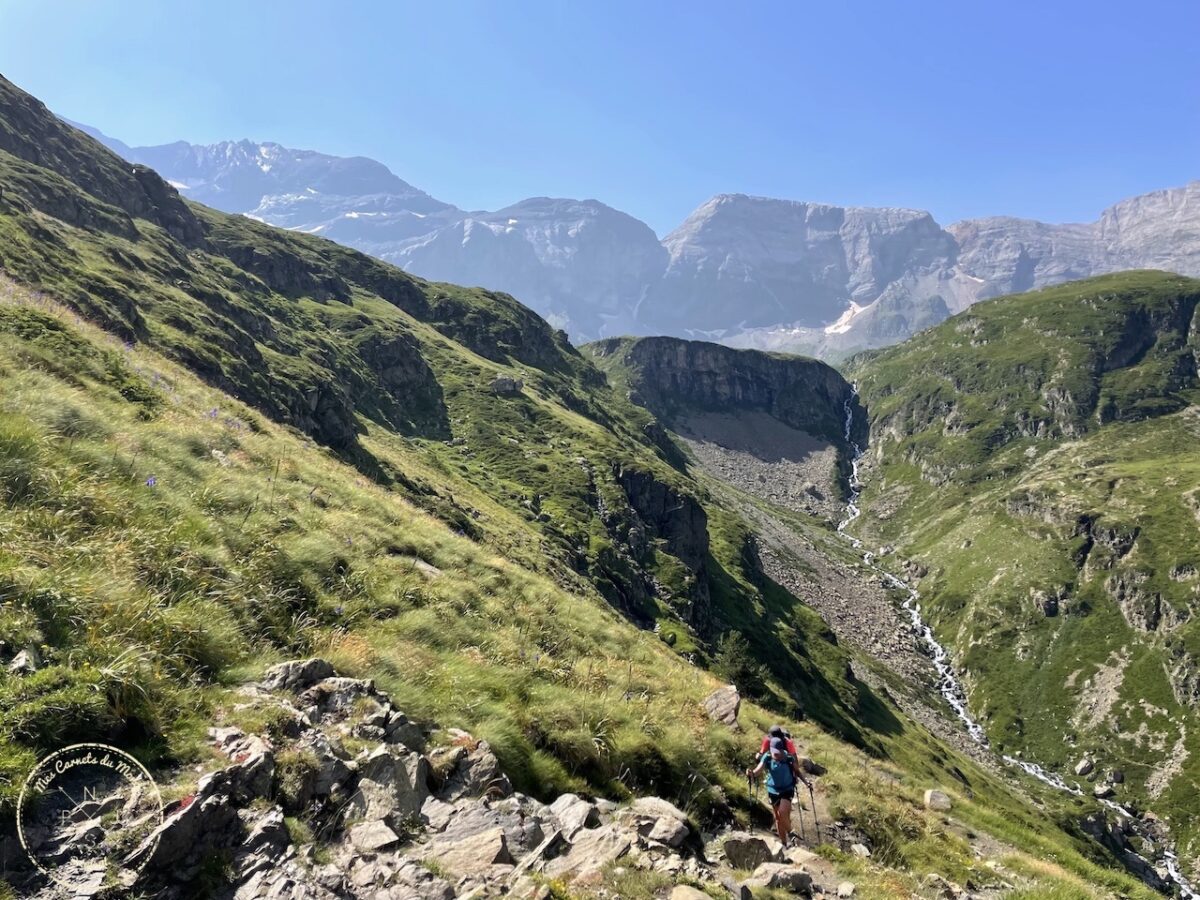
x,y
826,288
226,445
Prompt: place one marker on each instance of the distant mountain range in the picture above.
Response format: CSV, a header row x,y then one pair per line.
x,y
747,271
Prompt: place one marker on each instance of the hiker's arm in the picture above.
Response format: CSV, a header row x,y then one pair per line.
x,y
756,770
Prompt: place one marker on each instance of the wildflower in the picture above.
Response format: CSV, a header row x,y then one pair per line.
x,y
339,610
152,481
212,413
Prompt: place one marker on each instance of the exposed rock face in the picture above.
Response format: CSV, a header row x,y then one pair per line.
x,y
581,264
745,262
754,271
669,376
31,134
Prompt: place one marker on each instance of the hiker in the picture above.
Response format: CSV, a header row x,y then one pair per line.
x,y
778,731
783,771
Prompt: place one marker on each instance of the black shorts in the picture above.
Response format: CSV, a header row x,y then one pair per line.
x,y
789,795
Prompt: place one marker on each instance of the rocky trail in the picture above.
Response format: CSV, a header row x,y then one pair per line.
x,y
342,797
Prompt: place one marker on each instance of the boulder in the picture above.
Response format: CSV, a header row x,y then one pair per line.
x,y
297,674
746,851
371,837
573,813
25,663
385,788
436,814
809,767
938,801
687,892
657,820
722,706
780,877
334,698
504,386
472,854
668,831
1102,791
845,889
861,851
1084,767
591,851
477,772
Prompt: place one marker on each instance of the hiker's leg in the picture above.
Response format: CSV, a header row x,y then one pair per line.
x,y
783,820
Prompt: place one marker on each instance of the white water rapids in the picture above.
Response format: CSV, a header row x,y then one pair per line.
x,y
948,683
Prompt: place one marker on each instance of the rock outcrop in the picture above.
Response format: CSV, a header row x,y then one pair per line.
x,y
297,814
670,376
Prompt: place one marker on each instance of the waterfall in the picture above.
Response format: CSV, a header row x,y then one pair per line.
x,y
948,684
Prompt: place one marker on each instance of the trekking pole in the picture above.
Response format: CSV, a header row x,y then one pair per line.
x,y
812,799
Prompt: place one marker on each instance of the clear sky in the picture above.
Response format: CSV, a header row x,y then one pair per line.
x,y
1045,109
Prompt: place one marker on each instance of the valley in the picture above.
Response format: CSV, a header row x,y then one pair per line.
x,y
367,568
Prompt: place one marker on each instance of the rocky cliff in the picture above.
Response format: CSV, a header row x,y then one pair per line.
x,y
669,376
749,271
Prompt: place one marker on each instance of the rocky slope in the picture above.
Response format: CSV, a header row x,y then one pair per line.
x,y
1035,455
749,271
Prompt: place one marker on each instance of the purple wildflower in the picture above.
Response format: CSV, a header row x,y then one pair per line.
x,y
152,481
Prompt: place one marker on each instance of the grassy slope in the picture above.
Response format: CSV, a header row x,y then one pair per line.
x,y
995,433
150,599
163,536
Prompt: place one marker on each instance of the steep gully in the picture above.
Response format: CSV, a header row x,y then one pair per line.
x,y
948,684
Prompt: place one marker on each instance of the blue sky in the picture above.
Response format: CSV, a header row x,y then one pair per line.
x,y
1050,110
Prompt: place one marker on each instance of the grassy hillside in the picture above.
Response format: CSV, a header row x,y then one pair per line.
x,y
161,542
1037,454
222,445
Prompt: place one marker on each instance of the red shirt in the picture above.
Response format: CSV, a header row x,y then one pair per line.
x,y
791,746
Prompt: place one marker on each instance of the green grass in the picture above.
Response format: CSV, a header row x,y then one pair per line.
x,y
1001,435
223,445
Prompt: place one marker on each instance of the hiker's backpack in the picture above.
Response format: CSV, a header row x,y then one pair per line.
x,y
783,777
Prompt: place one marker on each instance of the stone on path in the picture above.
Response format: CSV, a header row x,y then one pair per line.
x,y
746,851
780,876
937,800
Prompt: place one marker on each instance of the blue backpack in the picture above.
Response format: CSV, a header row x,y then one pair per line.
x,y
780,776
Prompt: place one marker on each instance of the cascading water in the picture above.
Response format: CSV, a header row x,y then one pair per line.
x,y
948,683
